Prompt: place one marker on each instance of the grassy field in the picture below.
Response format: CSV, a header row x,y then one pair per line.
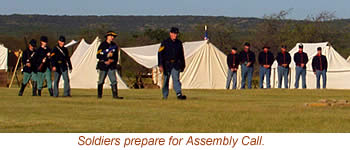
x,y
144,111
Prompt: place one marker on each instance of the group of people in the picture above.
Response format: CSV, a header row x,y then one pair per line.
x,y
39,62
246,59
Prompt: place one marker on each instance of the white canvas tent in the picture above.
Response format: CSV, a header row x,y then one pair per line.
x,y
71,43
84,74
3,57
206,66
348,59
338,68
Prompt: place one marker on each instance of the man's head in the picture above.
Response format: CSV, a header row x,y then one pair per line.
x,y
44,40
233,50
174,32
61,41
283,48
32,44
266,49
301,47
319,51
246,46
110,35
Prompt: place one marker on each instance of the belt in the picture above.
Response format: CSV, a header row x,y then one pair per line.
x,y
171,61
60,62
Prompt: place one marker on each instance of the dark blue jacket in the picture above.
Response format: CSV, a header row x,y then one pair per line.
x,y
171,54
319,63
61,60
102,56
246,57
232,61
266,58
29,56
44,54
283,58
301,58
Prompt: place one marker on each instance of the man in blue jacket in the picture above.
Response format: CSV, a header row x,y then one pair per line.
x,y
247,59
283,58
171,61
266,59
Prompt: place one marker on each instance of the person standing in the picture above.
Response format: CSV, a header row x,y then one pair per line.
x,y
171,61
44,70
247,60
283,59
232,63
107,55
266,59
60,65
300,59
319,67
30,68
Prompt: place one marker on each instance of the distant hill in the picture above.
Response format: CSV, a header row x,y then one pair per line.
x,y
19,24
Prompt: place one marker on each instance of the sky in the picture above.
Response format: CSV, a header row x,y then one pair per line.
x,y
231,8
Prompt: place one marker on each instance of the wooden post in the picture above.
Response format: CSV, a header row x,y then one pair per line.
x,y
15,71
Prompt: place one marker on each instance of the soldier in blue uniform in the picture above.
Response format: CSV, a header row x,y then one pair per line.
x,y
320,66
266,59
107,55
61,63
300,59
44,68
171,61
283,59
29,68
247,59
232,63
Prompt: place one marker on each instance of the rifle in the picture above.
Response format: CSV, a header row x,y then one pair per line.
x,y
48,56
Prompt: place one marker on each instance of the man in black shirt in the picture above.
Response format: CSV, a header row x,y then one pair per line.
x,y
247,60
44,68
232,63
320,66
283,58
300,59
266,59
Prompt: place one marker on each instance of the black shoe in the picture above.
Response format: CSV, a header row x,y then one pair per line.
x,y
99,91
181,97
115,92
20,93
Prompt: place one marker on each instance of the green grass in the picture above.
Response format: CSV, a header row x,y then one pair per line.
x,y
144,111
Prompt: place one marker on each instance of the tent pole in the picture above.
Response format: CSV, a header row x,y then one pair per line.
x,y
15,71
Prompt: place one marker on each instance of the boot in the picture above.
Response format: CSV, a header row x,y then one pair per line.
x,y
181,97
34,88
99,90
115,92
39,92
20,93
50,91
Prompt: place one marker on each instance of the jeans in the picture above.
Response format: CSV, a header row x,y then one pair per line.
x,y
282,73
300,72
231,76
57,77
318,78
27,76
44,76
247,72
111,75
175,74
262,73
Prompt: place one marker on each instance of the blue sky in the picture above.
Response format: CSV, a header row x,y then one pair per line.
x,y
233,8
